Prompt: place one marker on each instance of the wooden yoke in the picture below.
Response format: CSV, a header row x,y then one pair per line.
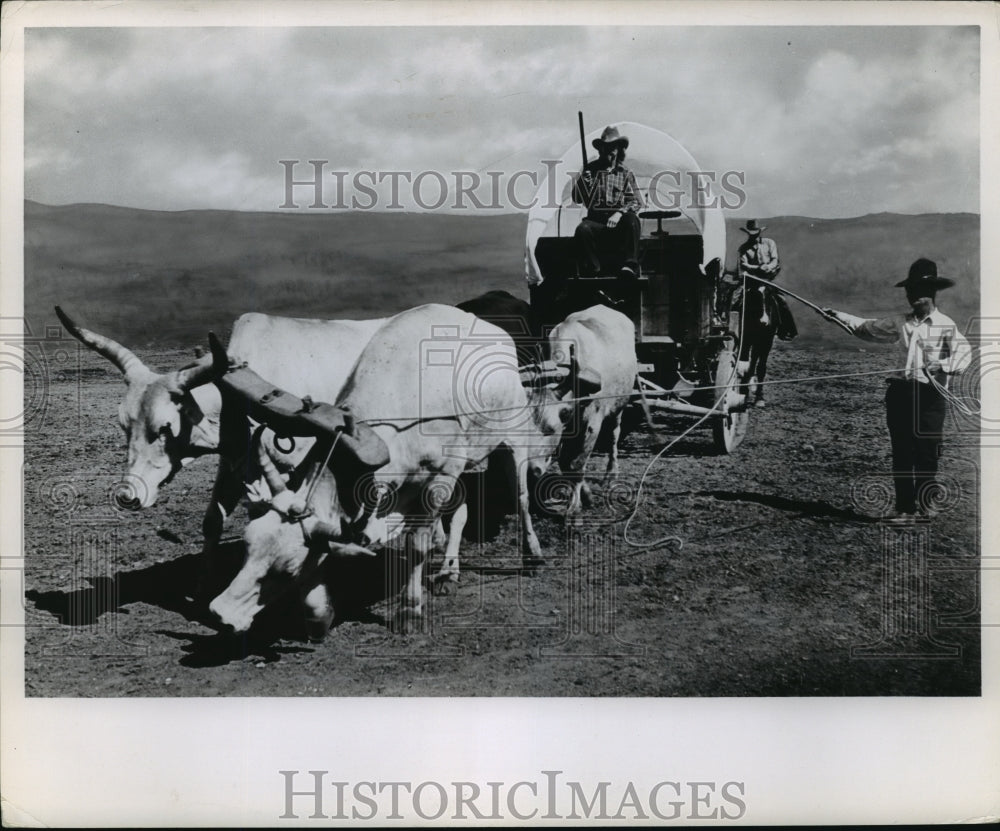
x,y
584,382
542,373
289,415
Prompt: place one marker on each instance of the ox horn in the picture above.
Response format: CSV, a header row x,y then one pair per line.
x,y
564,374
220,359
350,549
126,360
198,373
325,532
271,475
587,381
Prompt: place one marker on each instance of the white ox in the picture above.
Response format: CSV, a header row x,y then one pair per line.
x,y
168,418
604,341
437,412
171,418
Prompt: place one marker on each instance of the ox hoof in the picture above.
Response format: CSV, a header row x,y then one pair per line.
x,y
442,583
315,636
316,630
531,565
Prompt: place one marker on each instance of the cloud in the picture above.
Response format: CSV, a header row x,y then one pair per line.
x,y
823,121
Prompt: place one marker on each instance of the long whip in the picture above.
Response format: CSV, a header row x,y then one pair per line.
x,y
811,305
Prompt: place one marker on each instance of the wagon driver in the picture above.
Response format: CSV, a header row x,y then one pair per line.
x,y
609,191
933,350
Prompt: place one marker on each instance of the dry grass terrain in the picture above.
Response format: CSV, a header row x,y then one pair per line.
x,y
779,579
154,278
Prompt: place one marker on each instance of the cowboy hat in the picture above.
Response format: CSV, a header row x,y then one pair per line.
x,y
751,227
610,136
923,274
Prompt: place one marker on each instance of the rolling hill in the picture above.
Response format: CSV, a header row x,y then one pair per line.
x,y
165,278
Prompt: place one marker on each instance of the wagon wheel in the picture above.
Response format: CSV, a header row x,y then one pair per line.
x,y
729,430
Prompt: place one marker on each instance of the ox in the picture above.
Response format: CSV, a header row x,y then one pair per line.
x,y
432,419
171,418
604,340
164,415
513,315
168,418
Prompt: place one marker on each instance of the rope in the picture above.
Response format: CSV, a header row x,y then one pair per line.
x,y
642,482
831,377
806,378
692,427
810,304
319,471
957,401
812,378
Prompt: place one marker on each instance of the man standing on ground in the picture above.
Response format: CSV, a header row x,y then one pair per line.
x,y
933,349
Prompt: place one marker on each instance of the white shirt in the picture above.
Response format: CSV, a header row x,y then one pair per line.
x,y
935,338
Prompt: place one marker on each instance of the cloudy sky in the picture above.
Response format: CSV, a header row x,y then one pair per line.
x,y
825,121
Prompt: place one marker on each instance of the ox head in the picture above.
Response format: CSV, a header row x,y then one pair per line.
x,y
297,523
163,424
556,391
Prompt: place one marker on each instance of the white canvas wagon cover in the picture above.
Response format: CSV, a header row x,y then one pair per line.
x,y
657,160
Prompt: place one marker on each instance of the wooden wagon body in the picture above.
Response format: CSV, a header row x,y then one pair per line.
x,y
687,341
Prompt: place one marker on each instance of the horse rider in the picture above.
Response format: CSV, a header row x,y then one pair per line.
x,y
932,349
758,254
758,257
613,201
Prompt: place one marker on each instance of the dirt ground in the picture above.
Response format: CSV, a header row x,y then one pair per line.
x,y
785,582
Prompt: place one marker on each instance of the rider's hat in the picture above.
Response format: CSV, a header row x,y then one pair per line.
x,y
923,274
752,228
610,137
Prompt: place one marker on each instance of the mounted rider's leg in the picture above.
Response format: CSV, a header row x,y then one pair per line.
x,y
762,349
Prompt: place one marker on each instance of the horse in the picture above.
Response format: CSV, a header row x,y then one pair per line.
x,y
764,314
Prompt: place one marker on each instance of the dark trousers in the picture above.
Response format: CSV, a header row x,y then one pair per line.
x,y
596,243
915,416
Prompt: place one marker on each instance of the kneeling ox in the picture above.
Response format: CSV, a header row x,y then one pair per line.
x,y
434,392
